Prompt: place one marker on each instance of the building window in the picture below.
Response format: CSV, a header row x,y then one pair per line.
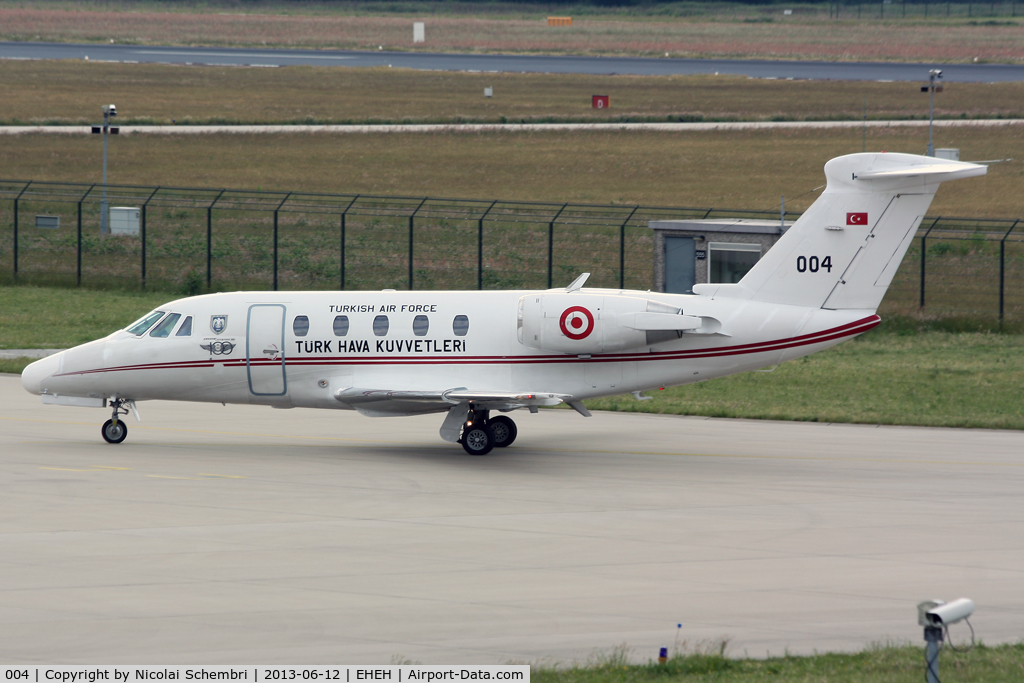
x,y
730,261
300,326
420,325
380,325
340,325
460,326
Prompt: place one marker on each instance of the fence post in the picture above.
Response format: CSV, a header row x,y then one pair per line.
x,y
209,240
344,217
142,229
209,247
1002,276
275,236
78,256
412,216
622,245
924,239
1002,269
551,245
480,246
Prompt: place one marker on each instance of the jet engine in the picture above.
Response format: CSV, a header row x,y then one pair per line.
x,y
587,324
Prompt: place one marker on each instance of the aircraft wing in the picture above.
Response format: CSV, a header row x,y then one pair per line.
x,y
394,401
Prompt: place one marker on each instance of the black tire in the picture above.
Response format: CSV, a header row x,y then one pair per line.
x,y
504,431
478,439
114,433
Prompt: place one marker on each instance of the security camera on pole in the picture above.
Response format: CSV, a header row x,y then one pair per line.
x,y
108,111
936,616
931,89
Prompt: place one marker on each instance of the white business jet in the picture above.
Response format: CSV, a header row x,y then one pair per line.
x,y
472,354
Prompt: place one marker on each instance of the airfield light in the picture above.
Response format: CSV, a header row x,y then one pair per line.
x,y
108,111
931,89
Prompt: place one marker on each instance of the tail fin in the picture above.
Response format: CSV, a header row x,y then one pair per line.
x,y
843,252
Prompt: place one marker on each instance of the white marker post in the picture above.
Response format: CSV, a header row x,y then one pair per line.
x,y
419,32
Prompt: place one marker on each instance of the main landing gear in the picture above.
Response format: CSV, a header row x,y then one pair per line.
x,y
115,430
482,433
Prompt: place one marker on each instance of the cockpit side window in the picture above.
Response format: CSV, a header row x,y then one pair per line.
x,y
165,326
139,327
186,328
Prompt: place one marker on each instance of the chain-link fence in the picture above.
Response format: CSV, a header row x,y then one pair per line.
x,y
195,240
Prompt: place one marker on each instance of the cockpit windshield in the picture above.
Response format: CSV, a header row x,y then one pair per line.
x,y
139,327
166,326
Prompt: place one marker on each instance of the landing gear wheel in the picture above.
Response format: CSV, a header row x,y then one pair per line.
x,y
114,432
504,430
477,439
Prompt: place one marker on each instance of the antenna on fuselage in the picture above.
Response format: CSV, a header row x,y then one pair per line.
x,y
577,283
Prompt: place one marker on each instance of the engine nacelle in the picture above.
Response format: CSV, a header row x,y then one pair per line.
x,y
579,323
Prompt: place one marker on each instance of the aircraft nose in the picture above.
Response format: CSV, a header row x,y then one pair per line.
x,y
34,376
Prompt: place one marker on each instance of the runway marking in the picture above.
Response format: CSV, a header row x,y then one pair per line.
x,y
68,469
221,476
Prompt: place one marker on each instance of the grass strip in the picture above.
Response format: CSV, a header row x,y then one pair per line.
x,y
53,318
740,169
937,379
66,92
875,664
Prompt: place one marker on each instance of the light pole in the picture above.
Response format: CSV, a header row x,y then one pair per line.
x,y
933,76
108,111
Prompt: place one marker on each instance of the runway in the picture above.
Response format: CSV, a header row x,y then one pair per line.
x,y
437,61
243,534
511,127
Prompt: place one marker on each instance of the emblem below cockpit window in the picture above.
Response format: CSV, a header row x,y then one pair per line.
x,y
218,323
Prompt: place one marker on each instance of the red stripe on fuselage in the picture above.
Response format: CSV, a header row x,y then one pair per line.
x,y
850,329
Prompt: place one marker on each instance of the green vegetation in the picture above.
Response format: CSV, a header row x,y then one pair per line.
x,y
878,664
742,169
63,92
51,318
947,379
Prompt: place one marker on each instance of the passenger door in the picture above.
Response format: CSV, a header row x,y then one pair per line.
x,y
265,350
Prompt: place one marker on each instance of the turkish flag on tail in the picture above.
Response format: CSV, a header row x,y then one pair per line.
x,y
856,219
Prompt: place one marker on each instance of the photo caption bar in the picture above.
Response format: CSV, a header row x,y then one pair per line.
x,y
394,673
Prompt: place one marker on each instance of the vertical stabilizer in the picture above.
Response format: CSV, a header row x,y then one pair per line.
x,y
843,252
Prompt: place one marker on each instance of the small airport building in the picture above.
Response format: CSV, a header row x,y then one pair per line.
x,y
687,252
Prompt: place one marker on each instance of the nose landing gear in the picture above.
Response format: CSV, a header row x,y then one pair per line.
x,y
115,430
483,433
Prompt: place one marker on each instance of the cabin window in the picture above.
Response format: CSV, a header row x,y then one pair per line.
x,y
460,326
165,326
380,325
186,328
340,325
300,326
139,327
420,325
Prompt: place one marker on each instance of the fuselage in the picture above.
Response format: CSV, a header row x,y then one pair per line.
x,y
299,349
